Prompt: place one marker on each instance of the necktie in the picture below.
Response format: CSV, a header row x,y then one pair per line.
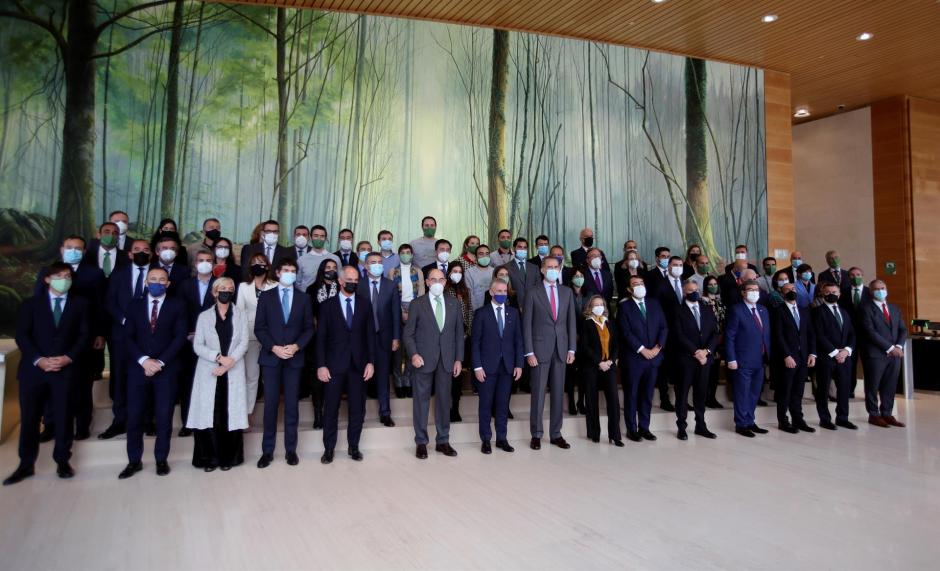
x,y
643,309
106,265
267,254
521,267
835,274
698,319
499,319
349,313
598,282
345,259
678,289
285,303
139,286
439,313
856,296
796,315
153,316
375,303
57,311
554,303
884,309
838,314
444,268
760,327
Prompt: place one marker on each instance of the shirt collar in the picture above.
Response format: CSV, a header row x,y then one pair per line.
x,y
52,296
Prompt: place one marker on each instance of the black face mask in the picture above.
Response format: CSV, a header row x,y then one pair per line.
x,y
831,298
589,241
213,234
693,297
329,275
790,296
226,296
258,270
141,258
350,287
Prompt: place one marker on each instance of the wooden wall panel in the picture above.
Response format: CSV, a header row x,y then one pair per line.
x,y
924,120
781,225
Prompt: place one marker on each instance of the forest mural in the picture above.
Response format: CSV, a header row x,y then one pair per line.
x,y
186,109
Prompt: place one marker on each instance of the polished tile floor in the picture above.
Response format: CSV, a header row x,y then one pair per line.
x,y
866,499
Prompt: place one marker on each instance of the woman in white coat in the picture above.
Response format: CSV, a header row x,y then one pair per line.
x,y
261,280
218,408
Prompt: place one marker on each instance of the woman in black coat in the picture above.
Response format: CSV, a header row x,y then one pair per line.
x,y
597,351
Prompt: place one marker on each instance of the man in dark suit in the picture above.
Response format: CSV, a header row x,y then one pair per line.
x,y
434,342
196,293
52,331
103,251
274,252
885,335
542,249
442,249
522,273
741,261
695,335
118,220
579,255
597,279
345,253
796,260
670,298
854,297
165,258
835,343
345,344
154,333
793,346
124,286
643,334
284,326
496,351
834,274
549,333
658,274
747,349
385,301
301,242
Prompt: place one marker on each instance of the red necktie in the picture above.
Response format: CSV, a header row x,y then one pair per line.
x,y
153,316
760,326
554,306
884,309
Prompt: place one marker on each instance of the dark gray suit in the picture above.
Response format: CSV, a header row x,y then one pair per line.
x,y
522,282
549,340
440,349
881,370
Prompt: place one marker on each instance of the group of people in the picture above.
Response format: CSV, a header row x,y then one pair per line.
x,y
191,326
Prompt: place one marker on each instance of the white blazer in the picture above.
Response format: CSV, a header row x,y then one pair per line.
x,y
206,346
247,302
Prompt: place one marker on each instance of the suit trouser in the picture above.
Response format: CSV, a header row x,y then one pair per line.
x,y
695,376
881,383
748,383
275,378
595,380
789,392
139,388
549,374
714,371
495,392
440,378
118,379
666,375
54,389
383,368
827,369
638,396
350,381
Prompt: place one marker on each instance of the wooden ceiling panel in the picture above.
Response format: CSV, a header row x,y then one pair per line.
x,y
814,41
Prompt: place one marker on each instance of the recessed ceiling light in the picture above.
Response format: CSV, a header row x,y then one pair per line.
x,y
658,1
801,112
864,36
768,18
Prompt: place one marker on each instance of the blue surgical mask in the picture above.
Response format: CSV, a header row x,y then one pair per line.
x,y
543,250
880,294
376,269
663,263
806,276
156,290
796,263
363,255
522,254
287,279
71,255
386,245
500,298
552,275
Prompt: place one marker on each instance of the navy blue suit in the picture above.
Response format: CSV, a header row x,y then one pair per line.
x,y
748,344
164,344
121,291
271,330
497,354
38,336
638,331
189,293
387,328
830,337
345,351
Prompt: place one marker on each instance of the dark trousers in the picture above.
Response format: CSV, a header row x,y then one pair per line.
x,y
827,370
422,382
595,380
495,392
83,405
789,385
664,377
348,381
278,378
881,384
54,389
573,381
638,396
747,383
714,371
383,369
117,383
139,387
695,376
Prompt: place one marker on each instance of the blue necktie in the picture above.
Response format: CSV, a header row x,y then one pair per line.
x,y
349,313
139,286
499,320
285,303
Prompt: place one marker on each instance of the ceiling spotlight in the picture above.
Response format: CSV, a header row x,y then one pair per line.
x,y
768,18
864,36
801,112
658,1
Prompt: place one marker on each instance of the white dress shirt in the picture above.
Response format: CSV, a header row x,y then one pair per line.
x,y
881,309
407,286
150,300
834,308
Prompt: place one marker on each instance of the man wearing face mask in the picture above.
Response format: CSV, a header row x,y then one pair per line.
x,y
154,331
479,276
549,332
523,274
703,268
409,281
434,342
301,242
442,249
542,249
747,350
794,351
211,231
740,260
363,249
597,279
103,251
796,260
695,337
120,220
579,255
424,247
345,252
167,250
309,263
658,276
885,335
385,304
766,281
834,274
284,327
504,252
387,250
853,299
835,343
345,346
268,247
670,298
196,293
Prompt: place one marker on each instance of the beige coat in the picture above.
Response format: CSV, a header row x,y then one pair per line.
x,y
207,347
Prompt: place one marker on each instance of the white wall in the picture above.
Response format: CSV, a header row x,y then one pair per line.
x,y
832,175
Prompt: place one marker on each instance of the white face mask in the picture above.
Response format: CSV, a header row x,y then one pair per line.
x,y
639,292
675,271
456,277
442,257
345,245
287,278
752,296
598,310
596,263
436,289
633,264
167,256
300,241
204,267
122,227
740,256
222,253
270,238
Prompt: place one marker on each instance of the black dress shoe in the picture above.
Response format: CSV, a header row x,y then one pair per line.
x,y
82,435
455,415
64,470
355,454
163,468
581,408
130,470
265,460
743,431
18,475
561,443
803,427
535,444
446,449
504,446
827,424
633,436
616,442
714,404
645,434
486,448
594,439
184,432
758,430
682,434
150,429
846,424
421,451
47,434
761,402
209,468
112,431
667,406
788,428
225,468
327,457
572,407
387,421
292,459
399,393
705,432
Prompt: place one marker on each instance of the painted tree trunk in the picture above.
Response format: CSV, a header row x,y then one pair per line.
x,y
698,226
280,181
168,194
497,206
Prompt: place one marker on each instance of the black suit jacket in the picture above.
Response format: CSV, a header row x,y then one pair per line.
x,y
607,283
788,339
654,279
589,343
338,347
165,342
579,258
271,330
829,336
387,309
827,276
427,269
37,335
119,257
189,292
88,283
280,252
751,266
881,334
179,273
352,258
120,294
688,337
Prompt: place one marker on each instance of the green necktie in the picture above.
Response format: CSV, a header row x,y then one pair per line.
x,y
439,313
856,297
107,264
838,314
57,311
643,309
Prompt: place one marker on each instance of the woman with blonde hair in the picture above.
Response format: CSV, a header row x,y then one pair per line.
x,y
597,351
